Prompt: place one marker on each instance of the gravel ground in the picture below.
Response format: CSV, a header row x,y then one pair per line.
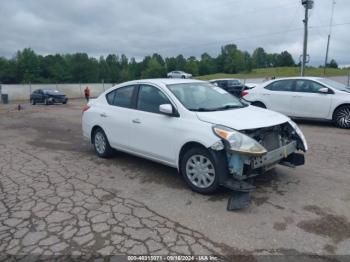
x,y
58,198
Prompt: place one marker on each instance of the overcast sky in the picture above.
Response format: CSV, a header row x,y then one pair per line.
x,y
171,27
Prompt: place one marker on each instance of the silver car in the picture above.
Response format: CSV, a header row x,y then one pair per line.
x,y
178,74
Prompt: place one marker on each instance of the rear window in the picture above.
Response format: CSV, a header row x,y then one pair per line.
x,y
121,97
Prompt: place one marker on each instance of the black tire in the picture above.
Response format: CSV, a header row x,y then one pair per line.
x,y
183,77
65,102
341,117
32,101
258,104
105,151
186,162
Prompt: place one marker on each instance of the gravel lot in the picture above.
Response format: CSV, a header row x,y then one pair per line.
x,y
57,197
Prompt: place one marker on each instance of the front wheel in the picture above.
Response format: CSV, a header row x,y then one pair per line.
x,y
32,101
200,171
101,144
342,117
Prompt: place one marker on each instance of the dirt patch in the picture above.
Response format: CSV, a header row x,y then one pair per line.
x,y
330,249
279,226
329,225
259,200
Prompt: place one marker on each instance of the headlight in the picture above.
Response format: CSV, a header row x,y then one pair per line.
x,y
239,142
300,134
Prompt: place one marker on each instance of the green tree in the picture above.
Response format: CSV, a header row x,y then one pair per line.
x,y
333,64
285,59
154,69
27,66
191,66
259,58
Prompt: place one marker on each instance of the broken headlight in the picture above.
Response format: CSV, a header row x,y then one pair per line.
x,y
299,133
239,142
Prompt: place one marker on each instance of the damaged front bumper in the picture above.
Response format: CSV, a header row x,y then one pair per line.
x,y
245,166
242,167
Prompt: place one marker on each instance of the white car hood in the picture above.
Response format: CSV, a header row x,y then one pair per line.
x,y
249,117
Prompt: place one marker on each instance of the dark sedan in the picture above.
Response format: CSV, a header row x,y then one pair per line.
x,y
48,96
233,86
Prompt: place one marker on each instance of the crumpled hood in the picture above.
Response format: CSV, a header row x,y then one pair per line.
x,y
249,117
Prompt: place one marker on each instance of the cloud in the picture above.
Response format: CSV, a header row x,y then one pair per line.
x,y
171,27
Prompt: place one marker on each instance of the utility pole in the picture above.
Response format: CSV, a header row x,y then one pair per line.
x,y
308,4
329,38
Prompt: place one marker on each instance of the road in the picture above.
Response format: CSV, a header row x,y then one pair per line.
x,y
58,198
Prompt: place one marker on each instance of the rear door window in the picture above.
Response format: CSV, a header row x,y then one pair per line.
x,y
121,97
282,85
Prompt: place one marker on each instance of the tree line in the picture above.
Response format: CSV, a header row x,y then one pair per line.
x,y
28,67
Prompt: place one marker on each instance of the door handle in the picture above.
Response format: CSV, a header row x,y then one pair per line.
x,y
265,94
103,115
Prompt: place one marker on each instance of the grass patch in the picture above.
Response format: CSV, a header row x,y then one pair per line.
x,y
278,72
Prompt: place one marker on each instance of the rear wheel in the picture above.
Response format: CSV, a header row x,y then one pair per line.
x,y
200,171
341,116
259,104
101,144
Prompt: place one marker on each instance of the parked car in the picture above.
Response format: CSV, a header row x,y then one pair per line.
x,y
231,85
48,96
210,136
305,97
178,74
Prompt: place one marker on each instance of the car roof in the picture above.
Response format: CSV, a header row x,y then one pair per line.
x,y
162,81
299,77
220,79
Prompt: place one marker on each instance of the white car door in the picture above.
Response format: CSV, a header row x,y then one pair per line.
x,y
308,101
277,96
115,116
152,132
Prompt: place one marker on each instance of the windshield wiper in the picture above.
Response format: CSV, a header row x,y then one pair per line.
x,y
228,107
202,109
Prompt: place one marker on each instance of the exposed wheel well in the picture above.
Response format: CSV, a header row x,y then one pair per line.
x,y
93,130
257,103
338,108
186,147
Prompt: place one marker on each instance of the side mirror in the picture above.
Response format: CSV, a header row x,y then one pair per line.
x,y
323,90
215,84
166,109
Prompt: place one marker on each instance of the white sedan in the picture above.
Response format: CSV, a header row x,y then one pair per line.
x,y
304,97
178,74
210,136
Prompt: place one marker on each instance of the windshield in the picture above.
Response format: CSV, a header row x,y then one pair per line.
x,y
334,84
234,83
52,92
204,97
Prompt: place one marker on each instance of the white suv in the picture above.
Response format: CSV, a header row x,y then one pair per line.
x,y
304,97
178,74
210,136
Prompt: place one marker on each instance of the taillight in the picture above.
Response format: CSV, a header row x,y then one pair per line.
x,y
244,93
85,108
